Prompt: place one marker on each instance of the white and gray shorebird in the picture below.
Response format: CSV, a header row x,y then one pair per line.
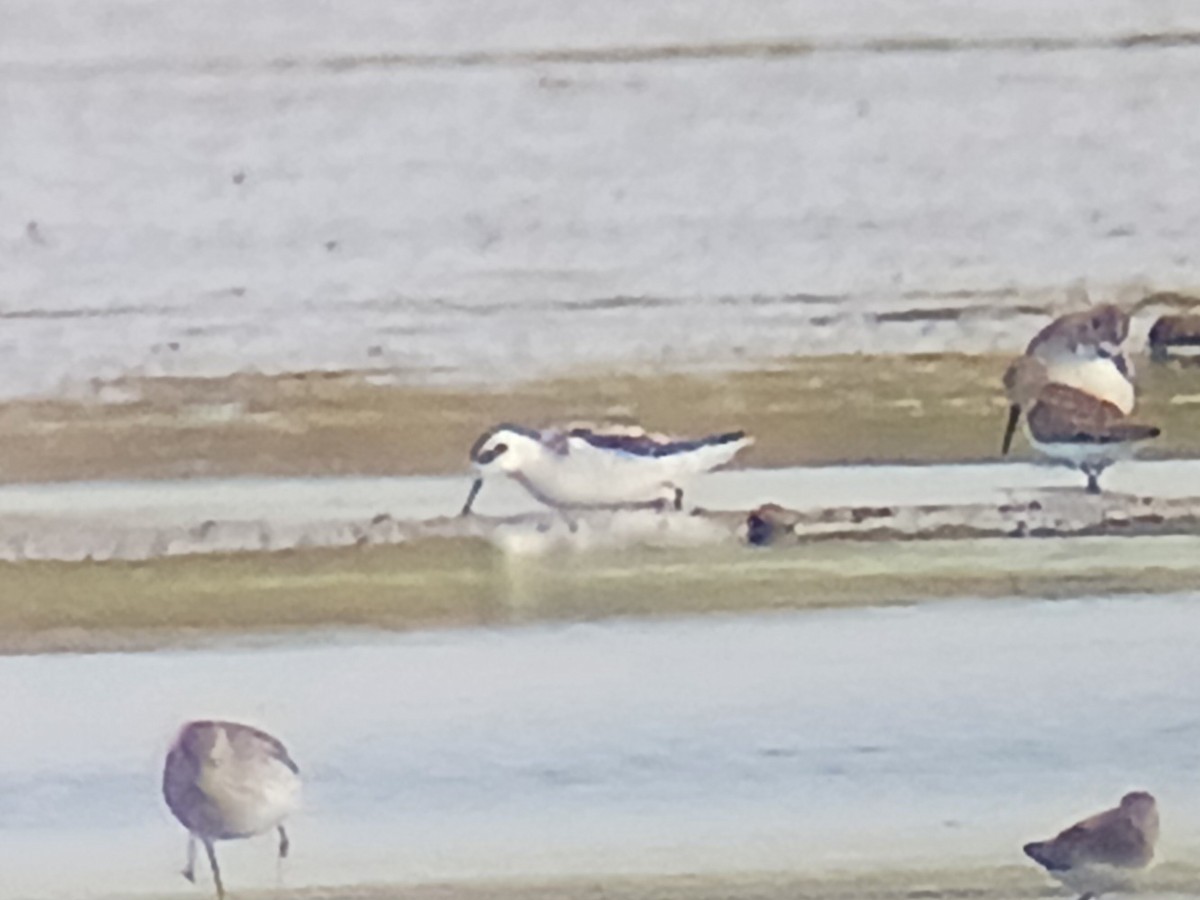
x,y
1105,852
223,780
581,468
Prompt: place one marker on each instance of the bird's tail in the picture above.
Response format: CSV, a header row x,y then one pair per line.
x,y
712,452
1042,853
1132,431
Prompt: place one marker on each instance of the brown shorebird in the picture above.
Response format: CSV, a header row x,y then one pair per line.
x,y
1067,424
1105,852
579,468
223,780
1174,331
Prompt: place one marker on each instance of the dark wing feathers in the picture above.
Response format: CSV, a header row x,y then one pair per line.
x,y
645,445
1064,414
1108,837
272,744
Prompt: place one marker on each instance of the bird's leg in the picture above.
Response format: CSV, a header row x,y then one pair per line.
x,y
216,870
189,869
1093,477
678,499
284,846
572,525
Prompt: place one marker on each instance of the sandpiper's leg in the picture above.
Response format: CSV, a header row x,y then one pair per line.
x,y
284,846
572,525
678,499
216,870
1093,477
189,869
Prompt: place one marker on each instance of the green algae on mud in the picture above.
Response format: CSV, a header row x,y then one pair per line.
x,y
809,410
445,583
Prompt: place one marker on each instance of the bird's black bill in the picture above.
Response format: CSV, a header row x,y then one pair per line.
x,y
475,488
1014,416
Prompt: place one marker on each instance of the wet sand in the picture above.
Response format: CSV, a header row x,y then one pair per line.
x,y
982,883
803,411
96,606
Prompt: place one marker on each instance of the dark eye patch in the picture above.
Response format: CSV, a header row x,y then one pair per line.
x,y
486,456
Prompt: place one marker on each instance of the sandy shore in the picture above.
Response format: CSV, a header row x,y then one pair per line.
x,y
817,410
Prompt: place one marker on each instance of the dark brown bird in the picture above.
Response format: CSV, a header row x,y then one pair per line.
x,y
1105,852
1174,331
222,781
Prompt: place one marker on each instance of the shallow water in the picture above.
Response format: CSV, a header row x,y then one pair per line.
x,y
290,501
792,741
185,196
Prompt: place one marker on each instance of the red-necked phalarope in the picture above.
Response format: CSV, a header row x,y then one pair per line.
x,y
596,468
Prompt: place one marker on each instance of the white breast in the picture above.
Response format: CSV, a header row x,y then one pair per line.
x,y
252,796
1097,376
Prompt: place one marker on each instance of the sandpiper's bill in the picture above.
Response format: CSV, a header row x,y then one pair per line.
x,y
1105,852
222,781
1067,424
599,468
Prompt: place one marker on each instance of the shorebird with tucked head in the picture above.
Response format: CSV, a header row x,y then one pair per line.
x,y
582,468
1105,852
1069,425
1084,350
222,781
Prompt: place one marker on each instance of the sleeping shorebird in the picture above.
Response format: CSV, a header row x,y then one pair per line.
x,y
1105,852
1067,424
223,780
1174,332
588,468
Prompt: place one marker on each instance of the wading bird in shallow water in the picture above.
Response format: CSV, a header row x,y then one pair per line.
x,y
1103,853
592,468
1067,424
222,781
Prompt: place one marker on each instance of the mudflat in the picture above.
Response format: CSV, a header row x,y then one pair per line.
x,y
1008,882
810,410
121,605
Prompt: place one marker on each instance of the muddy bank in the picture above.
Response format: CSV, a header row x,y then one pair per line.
x,y
99,521
984,883
86,606
803,411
